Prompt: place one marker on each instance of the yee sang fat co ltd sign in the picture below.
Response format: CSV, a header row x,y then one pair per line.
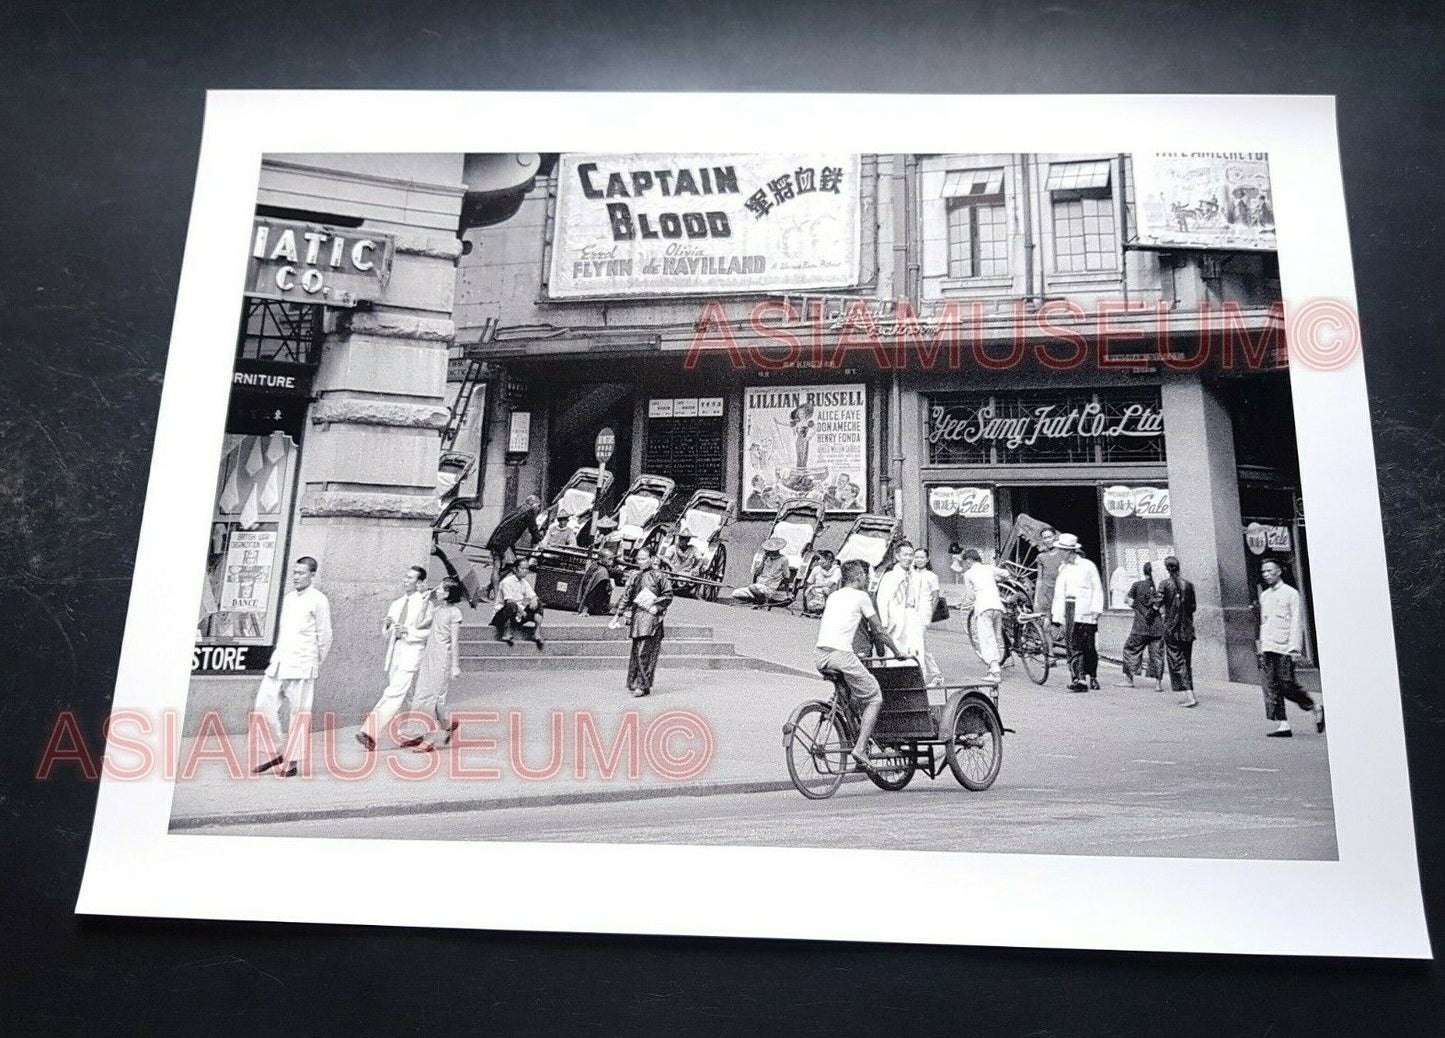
x,y
317,263
689,224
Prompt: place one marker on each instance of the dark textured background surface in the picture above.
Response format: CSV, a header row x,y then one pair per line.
x,y
102,106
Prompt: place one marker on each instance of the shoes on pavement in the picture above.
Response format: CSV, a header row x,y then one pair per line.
x,y
638,693
1077,686
415,740
1094,684
1320,719
537,641
267,766
1287,733
367,742
1191,701
290,771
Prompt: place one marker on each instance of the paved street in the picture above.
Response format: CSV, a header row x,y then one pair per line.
x,y
1117,771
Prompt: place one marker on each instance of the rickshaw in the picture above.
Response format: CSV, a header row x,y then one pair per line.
x,y
871,538
703,519
563,557
964,733
798,523
638,515
1028,633
454,522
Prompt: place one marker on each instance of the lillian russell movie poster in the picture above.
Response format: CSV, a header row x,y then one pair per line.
x,y
805,442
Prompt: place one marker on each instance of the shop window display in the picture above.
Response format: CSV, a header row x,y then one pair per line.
x,y
245,561
1137,529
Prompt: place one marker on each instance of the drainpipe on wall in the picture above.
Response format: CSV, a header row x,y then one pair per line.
x,y
902,286
1123,232
1027,207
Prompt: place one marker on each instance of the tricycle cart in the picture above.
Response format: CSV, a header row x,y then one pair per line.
x,y
964,733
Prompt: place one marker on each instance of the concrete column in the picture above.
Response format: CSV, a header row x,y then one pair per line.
x,y
1204,495
367,494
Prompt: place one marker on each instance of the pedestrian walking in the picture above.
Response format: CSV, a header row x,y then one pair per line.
x,y
647,595
407,624
303,639
925,601
985,610
1146,636
502,544
1281,642
1176,598
518,607
1078,603
440,662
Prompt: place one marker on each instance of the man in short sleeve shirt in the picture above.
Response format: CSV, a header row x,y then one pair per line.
x,y
845,610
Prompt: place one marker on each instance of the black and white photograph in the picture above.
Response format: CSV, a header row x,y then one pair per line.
x,y
656,509
515,440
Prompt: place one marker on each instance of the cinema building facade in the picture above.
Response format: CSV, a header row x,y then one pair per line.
x,y
692,303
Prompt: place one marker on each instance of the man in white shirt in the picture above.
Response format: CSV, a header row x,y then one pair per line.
x,y
1281,642
1078,603
519,608
845,609
303,638
985,622
925,599
406,627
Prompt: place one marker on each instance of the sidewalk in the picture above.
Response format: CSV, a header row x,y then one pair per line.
x,y
741,712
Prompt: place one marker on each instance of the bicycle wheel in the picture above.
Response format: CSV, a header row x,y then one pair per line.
x,y
975,749
1033,651
892,772
455,523
816,750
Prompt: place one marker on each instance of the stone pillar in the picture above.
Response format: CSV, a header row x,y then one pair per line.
x,y
367,494
1208,537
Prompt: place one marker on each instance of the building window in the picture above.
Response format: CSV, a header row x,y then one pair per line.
x,y
1137,529
1083,209
977,224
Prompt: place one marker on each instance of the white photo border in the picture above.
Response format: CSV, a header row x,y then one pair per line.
x,y
1367,903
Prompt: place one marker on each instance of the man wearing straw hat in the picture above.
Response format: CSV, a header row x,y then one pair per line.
x,y
768,576
1078,602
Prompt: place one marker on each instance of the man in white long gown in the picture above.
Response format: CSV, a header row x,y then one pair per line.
x,y
303,638
900,594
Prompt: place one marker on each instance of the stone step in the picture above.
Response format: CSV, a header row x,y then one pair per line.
x,y
576,632
615,664
614,647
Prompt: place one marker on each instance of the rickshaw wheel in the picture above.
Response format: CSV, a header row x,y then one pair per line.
x,y
895,772
715,572
816,750
1033,650
975,745
456,522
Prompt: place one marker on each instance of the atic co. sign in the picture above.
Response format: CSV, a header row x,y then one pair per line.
x,y
316,263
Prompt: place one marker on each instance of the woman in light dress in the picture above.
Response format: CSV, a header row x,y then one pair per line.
x,y
440,662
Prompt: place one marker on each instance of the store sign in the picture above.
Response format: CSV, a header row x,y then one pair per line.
x,y
805,442
316,263
271,377
1137,502
1043,422
684,224
1205,200
965,502
605,444
1261,537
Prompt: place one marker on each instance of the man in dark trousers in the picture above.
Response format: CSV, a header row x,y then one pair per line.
x,y
1147,634
647,594
1176,597
503,541
1281,643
